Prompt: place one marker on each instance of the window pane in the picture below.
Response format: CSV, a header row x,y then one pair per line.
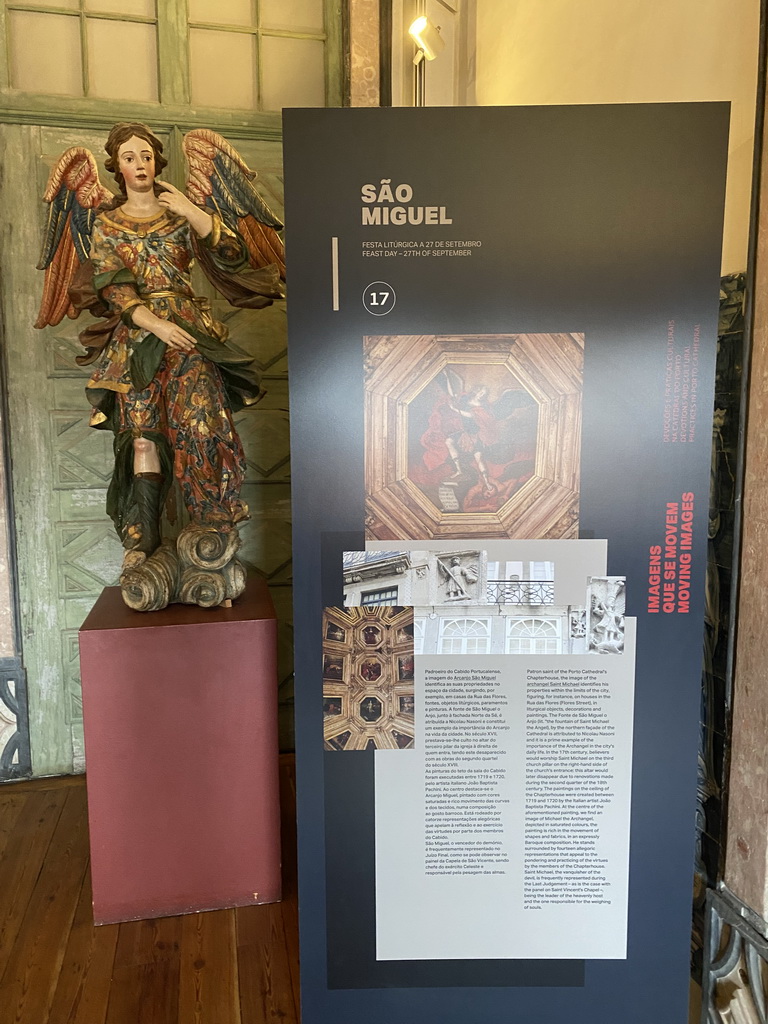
x,y
418,636
222,12
45,53
534,627
138,8
440,74
297,15
134,81
533,636
292,73
464,636
379,597
222,69
70,5
465,627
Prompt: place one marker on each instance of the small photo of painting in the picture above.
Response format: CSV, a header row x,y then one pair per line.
x,y
334,632
371,635
368,678
332,706
370,670
333,668
405,667
339,741
472,434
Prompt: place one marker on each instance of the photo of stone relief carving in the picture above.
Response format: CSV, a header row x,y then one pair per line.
x,y
473,436
368,698
578,623
606,604
460,576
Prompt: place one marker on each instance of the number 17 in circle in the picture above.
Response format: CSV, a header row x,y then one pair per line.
x,y
379,298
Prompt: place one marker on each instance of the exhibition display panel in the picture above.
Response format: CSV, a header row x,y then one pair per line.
x,y
502,337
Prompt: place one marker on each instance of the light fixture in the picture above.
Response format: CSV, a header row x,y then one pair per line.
x,y
427,38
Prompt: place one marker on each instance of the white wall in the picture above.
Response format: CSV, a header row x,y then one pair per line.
x,y
631,51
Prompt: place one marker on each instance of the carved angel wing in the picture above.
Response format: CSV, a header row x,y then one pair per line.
x,y
74,195
221,181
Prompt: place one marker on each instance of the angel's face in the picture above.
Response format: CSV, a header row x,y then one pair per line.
x,y
136,160
479,396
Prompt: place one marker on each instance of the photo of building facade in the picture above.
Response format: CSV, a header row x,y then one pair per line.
x,y
483,629
460,576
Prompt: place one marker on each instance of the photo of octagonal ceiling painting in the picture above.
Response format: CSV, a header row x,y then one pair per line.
x,y
368,694
370,669
473,436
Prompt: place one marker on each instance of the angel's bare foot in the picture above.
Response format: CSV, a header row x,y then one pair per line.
x,y
133,559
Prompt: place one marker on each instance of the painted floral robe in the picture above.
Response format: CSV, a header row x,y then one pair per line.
x,y
179,400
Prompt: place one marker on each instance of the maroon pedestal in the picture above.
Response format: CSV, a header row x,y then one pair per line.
x,y
180,710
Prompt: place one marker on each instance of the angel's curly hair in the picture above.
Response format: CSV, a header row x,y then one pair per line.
x,y
122,132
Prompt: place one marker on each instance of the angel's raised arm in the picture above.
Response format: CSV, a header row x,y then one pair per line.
x,y
74,195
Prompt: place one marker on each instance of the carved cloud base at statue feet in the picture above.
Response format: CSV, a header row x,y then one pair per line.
x,y
200,568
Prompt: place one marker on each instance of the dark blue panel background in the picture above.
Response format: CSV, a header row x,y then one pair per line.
x,y
603,219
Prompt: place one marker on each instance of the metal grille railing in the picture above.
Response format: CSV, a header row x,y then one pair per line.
x,y
520,591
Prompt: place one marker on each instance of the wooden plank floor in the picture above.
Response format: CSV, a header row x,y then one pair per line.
x,y
223,967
